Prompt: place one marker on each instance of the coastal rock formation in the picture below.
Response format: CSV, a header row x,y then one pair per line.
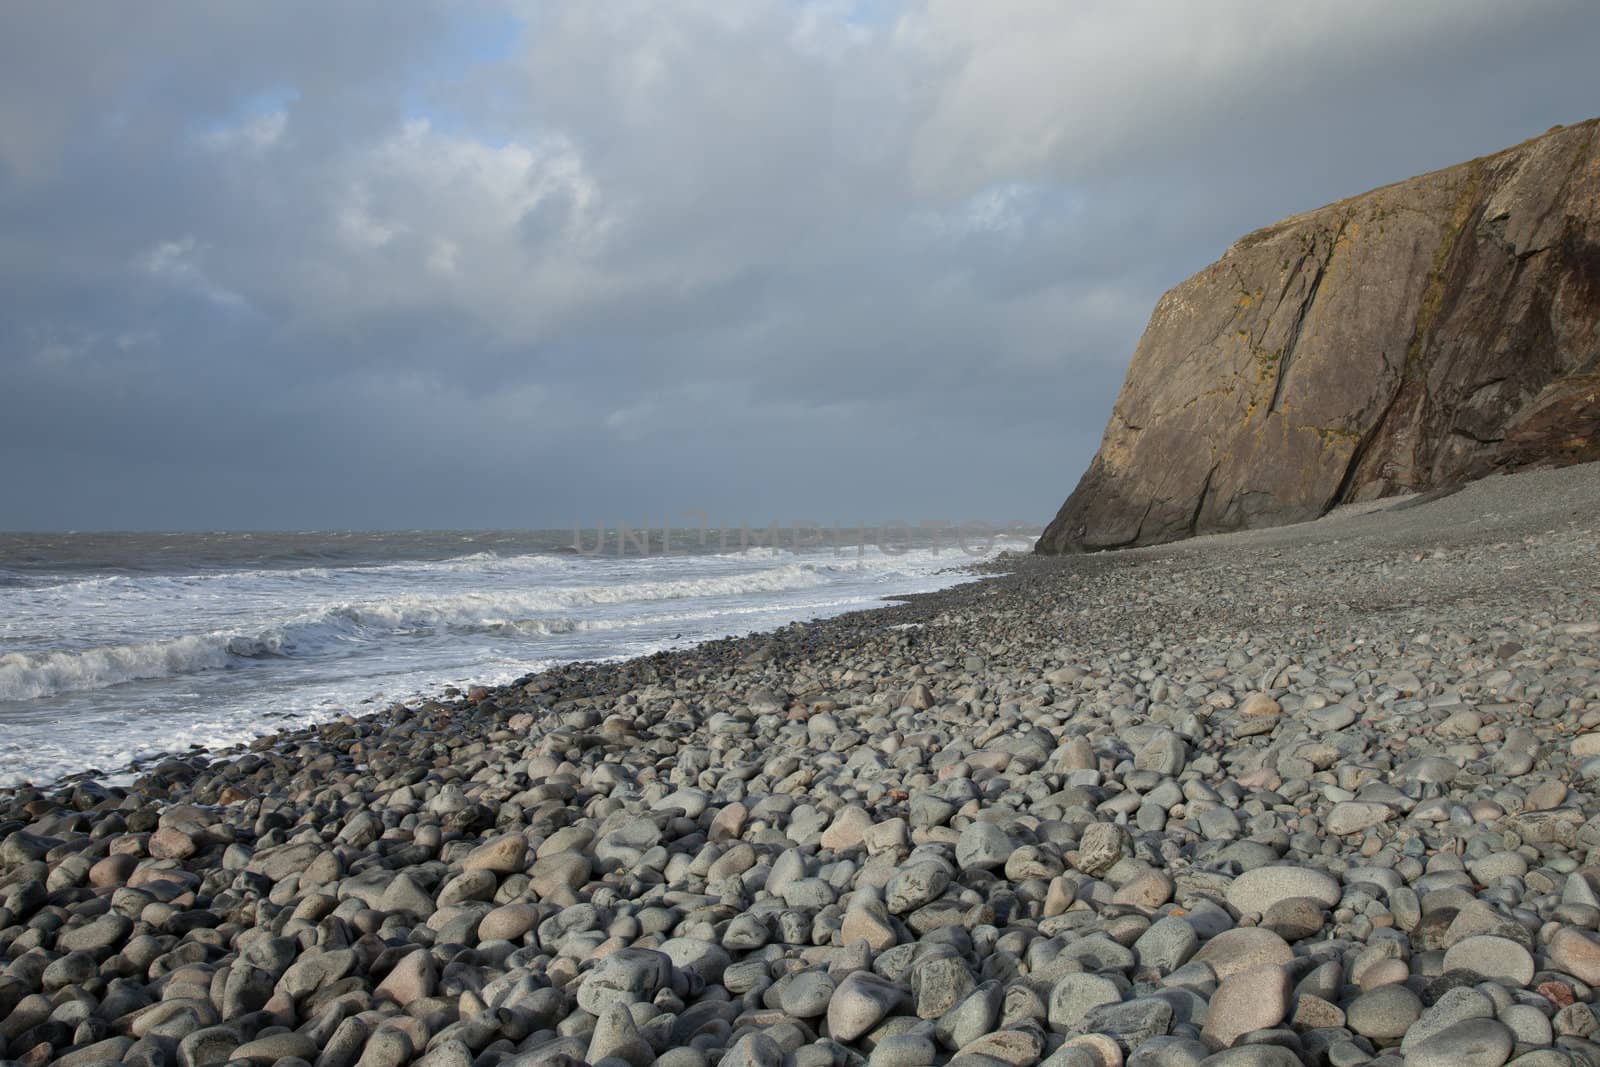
x,y
1416,336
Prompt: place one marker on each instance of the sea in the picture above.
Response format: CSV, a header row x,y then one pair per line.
x,y
118,648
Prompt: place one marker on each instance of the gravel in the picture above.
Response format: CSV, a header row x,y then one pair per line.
x,y
1318,794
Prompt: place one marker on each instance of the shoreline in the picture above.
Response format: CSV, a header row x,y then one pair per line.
x,y
1307,790
107,682
578,672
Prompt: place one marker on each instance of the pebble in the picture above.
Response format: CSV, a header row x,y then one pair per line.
x,y
1241,949
1168,944
1576,952
1384,1014
1354,816
1295,918
1214,809
983,846
1075,995
1257,998
859,1003
1471,1043
1256,891
1100,847
1496,958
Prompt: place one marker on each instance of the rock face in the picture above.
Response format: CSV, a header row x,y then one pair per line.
x,y
1419,335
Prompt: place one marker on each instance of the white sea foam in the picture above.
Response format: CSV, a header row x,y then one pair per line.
x,y
535,612
28,676
96,669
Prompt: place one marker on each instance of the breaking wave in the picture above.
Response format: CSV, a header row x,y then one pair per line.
x,y
545,611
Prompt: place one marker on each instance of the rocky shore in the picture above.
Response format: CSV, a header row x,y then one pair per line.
x,y
1409,338
1323,794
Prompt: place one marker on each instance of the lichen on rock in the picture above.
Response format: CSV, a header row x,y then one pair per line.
x,y
1416,336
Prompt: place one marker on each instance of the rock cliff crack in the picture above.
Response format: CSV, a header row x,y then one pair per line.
x,y
1145,514
1357,457
1200,504
1300,321
1580,159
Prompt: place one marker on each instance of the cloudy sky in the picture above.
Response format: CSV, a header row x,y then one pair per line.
x,y
377,264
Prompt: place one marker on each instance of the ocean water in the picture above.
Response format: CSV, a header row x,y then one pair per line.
x,y
115,648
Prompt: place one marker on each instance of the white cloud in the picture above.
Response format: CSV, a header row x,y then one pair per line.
x,y
1048,90
356,223
644,228
505,234
177,263
252,136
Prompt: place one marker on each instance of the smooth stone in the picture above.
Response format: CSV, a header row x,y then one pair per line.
x,y
1097,952
1168,944
1087,1050
807,995
411,979
616,1036
869,922
501,855
1018,1048
916,885
691,802
937,985
1148,890
1295,918
1453,1006
1243,948
204,1048
1354,816
1497,865
1530,1025
1496,958
1586,745
1253,1056
983,846
975,1016
275,1047
1259,705
859,1003
848,829
1164,754
509,922
1385,1014
109,1051
628,975
1470,1043
1256,891
697,956
1575,952
1130,1023
99,937
1382,973
903,1050
1075,995
1429,769
556,877
1311,1012
1543,1057
1257,998
1169,1052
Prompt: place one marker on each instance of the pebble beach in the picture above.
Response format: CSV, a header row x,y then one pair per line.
x,y
1323,794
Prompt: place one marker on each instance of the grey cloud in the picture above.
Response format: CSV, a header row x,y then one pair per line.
x,y
289,265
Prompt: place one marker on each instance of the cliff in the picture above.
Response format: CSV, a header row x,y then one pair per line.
x,y
1419,335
